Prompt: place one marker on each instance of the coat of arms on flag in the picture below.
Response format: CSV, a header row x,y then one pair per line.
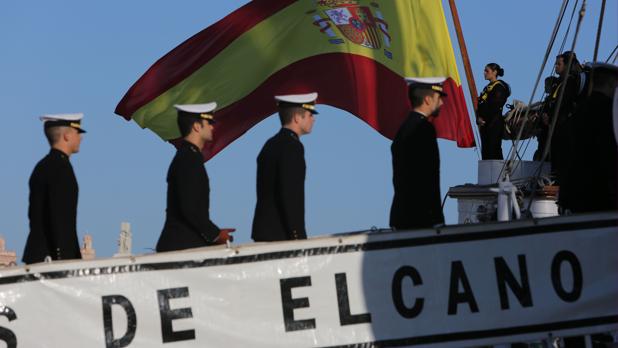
x,y
357,23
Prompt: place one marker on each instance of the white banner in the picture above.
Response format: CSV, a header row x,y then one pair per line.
x,y
464,285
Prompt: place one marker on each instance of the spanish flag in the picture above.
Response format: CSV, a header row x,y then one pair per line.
x,y
355,53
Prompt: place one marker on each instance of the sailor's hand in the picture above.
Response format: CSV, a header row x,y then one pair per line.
x,y
480,121
224,235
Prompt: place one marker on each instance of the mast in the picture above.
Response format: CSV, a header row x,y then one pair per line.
x,y
464,55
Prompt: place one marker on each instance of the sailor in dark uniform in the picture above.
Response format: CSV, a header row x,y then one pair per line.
x,y
416,160
490,121
187,221
559,147
280,208
53,194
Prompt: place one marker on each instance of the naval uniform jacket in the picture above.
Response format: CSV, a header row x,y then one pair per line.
x,y
280,207
491,102
559,147
187,221
52,210
416,175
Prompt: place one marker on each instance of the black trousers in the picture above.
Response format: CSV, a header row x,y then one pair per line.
x,y
560,152
491,139
541,139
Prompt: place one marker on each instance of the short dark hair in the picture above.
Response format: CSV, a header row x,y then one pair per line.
x,y
417,95
495,67
53,134
185,124
576,66
286,113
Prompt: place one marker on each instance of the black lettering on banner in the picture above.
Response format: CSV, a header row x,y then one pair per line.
x,y
458,274
168,315
7,335
505,277
289,304
345,317
556,277
127,338
397,292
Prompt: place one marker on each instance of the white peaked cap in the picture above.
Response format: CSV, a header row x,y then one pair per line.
x,y
62,117
197,108
433,83
425,80
297,98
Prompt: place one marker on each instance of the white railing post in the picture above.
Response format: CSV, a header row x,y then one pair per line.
x,y
588,340
505,201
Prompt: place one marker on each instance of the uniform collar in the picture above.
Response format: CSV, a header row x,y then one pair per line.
x,y
289,132
191,146
419,114
58,153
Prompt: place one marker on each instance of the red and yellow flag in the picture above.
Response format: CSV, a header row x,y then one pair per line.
x,y
354,53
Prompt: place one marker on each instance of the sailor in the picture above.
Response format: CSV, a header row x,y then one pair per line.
x,y
53,193
280,208
416,159
490,121
559,147
187,221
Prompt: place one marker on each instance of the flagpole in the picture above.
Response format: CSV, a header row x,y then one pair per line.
x,y
464,55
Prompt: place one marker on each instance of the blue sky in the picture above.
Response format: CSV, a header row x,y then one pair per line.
x,y
77,56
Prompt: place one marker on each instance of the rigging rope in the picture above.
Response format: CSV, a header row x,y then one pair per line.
x,y
553,70
525,144
611,54
566,35
554,119
513,152
596,46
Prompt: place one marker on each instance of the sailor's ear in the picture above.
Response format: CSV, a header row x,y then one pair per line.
x,y
65,133
197,125
298,115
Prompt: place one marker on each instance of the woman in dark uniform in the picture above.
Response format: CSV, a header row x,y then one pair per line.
x,y
489,112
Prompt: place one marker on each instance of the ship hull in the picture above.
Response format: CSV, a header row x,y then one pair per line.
x,y
453,286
